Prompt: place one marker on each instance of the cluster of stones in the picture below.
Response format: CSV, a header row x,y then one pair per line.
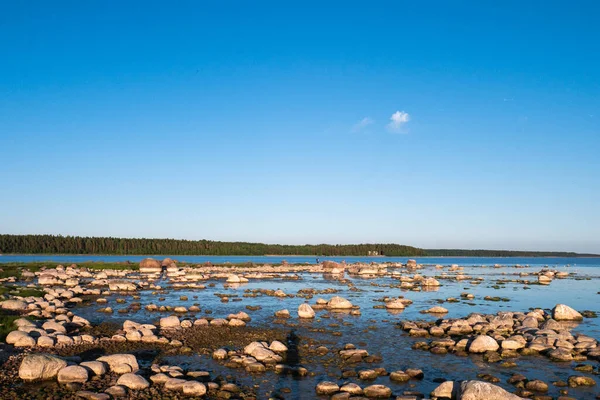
x,y
55,302
266,292
173,322
60,331
59,276
393,304
178,309
136,332
546,276
508,334
367,270
352,391
335,304
535,387
256,357
56,324
416,282
44,367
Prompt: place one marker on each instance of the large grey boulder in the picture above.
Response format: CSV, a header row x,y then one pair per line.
x,y
471,390
561,312
483,343
40,367
305,311
14,336
339,303
478,390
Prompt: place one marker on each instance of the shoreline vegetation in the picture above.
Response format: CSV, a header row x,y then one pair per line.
x,y
77,245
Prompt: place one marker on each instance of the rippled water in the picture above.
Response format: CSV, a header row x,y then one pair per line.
x,y
376,329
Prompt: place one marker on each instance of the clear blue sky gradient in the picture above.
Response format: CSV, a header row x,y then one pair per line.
x,y
233,120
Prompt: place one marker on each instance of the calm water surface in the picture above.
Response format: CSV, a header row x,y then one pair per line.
x,y
376,329
464,261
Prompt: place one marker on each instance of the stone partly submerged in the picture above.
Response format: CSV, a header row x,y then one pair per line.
x,y
40,367
483,343
306,311
339,303
561,312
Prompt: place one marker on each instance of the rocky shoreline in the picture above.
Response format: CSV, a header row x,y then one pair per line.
x,y
51,352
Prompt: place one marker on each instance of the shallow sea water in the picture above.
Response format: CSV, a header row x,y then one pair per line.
x,y
376,330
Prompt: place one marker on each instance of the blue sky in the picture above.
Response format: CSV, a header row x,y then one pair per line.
x,y
435,124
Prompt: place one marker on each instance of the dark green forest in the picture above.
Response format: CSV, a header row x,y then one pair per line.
x,y
56,244
51,244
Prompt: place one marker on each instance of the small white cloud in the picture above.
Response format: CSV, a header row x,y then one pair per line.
x,y
362,124
398,119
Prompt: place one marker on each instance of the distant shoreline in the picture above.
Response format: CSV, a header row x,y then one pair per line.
x,y
287,255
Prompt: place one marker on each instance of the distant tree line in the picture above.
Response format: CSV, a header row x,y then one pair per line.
x,y
54,244
500,253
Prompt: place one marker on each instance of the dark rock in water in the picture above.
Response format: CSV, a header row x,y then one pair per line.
x,y
489,378
575,381
584,368
516,378
537,386
589,314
